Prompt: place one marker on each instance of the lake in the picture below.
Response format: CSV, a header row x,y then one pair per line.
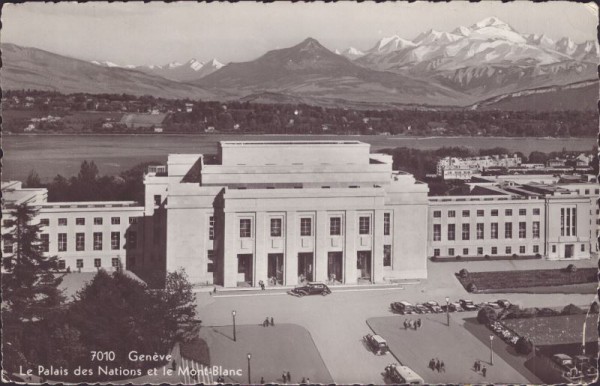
x,y
50,155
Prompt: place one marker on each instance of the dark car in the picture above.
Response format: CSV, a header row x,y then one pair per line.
x,y
402,307
376,344
504,303
421,308
467,305
311,289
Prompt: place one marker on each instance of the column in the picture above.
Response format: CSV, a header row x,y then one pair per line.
x,y
291,252
377,247
350,236
260,250
229,250
321,237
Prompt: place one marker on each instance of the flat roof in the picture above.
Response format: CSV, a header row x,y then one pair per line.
x,y
332,142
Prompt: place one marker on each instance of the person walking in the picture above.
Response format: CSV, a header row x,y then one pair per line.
x,y
443,366
289,377
431,364
475,365
438,365
484,371
308,381
262,285
284,377
405,324
272,322
303,381
419,323
266,322
262,380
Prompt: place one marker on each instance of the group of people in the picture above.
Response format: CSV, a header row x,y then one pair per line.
x,y
479,367
436,364
267,322
286,377
413,324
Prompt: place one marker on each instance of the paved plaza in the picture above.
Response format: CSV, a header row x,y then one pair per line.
x,y
338,322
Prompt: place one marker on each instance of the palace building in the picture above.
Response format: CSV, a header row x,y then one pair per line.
x,y
285,212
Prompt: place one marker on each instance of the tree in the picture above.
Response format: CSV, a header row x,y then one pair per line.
x,y
33,180
524,345
486,315
30,294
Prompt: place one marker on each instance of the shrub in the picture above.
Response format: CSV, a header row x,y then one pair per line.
x,y
572,309
524,346
458,257
486,315
471,287
538,256
514,256
594,308
547,312
571,268
463,273
518,313
487,256
433,258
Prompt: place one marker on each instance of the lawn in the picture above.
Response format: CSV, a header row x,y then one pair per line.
x,y
495,280
553,330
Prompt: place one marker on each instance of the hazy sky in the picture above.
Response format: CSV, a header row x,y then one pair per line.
x,y
157,33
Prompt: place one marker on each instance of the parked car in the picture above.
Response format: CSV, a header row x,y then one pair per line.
x,y
455,306
421,308
402,307
564,361
376,344
585,365
434,307
402,374
504,303
310,289
493,305
467,305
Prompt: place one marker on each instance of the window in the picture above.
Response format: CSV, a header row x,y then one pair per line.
x,y
494,212
45,242
387,255
276,227
44,221
80,241
480,213
466,230
114,262
465,251
554,249
466,213
132,240
210,262
480,250
211,228
97,263
364,225
568,222
62,242
522,212
80,221
437,232
61,264
245,227
535,229
587,191
437,213
62,221
115,220
536,249
8,246
494,250
522,249
480,231
451,231
508,230
508,212
386,223
522,230
97,241
79,263
494,230
451,213
596,191
436,252
335,226
306,226
582,247
157,199
133,220
97,220
508,250
450,251
115,240
536,211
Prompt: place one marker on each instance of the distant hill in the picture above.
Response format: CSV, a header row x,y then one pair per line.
x,y
32,68
582,96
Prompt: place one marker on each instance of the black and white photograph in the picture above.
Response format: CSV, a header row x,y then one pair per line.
x,y
299,193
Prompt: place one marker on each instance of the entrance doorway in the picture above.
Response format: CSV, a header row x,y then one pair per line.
x,y
363,265
569,249
305,266
275,268
335,261
245,278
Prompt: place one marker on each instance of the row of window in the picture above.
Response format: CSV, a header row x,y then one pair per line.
x,y
115,242
493,251
481,213
97,263
335,226
63,221
480,231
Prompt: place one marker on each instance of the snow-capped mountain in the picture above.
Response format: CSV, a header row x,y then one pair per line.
x,y
351,53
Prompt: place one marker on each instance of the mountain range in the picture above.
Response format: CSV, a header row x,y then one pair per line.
x,y
481,62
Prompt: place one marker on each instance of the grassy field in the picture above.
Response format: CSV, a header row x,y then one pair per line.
x,y
496,280
553,330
